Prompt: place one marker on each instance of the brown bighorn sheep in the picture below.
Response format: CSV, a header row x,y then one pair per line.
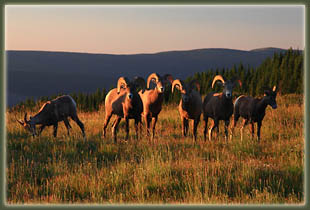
x,y
253,110
153,99
219,106
124,102
51,113
190,106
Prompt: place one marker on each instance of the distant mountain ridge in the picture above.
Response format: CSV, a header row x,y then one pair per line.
x,y
43,73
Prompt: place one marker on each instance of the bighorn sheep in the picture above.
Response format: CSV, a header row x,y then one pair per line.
x,y
253,110
219,106
153,99
51,113
124,102
190,106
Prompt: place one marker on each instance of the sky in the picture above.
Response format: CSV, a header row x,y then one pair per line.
x,y
149,29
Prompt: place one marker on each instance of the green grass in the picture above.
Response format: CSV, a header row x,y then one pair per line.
x,y
169,170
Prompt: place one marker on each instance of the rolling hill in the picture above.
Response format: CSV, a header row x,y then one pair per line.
x,y
43,73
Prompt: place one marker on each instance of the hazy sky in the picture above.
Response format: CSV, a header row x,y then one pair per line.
x,y
149,29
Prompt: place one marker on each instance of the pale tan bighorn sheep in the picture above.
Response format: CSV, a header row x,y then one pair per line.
x,y
219,106
190,106
51,113
253,110
153,99
124,102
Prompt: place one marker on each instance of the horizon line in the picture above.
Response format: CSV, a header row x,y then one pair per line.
x,y
142,53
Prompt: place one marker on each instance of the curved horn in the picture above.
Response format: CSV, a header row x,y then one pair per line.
x,y
216,78
19,121
178,83
274,88
151,77
122,82
139,81
194,83
25,117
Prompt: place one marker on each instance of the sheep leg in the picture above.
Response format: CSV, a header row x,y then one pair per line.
x,y
68,126
79,123
226,129
214,125
195,125
55,129
114,128
259,125
41,129
127,127
137,123
106,122
147,120
233,125
205,130
154,121
252,130
184,126
245,122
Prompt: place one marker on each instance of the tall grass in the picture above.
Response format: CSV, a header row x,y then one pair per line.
x,y
169,170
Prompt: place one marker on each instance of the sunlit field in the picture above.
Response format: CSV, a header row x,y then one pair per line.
x,y
169,170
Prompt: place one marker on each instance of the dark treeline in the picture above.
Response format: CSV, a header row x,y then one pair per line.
x,y
285,70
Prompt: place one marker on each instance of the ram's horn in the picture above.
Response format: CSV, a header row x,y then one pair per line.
x,y
216,78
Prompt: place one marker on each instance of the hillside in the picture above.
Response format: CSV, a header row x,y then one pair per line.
x,y
40,73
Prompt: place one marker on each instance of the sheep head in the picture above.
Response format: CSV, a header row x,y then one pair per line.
x,y
185,89
125,84
270,95
227,84
29,125
159,81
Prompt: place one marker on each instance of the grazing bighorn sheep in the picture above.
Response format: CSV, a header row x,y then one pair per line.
x,y
190,106
153,99
219,106
253,110
51,113
124,102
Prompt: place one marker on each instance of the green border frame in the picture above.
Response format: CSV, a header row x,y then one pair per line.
x,y
306,3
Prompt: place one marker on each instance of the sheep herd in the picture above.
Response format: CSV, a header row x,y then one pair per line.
x,y
126,102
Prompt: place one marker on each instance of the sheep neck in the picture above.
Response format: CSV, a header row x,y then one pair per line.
x,y
262,105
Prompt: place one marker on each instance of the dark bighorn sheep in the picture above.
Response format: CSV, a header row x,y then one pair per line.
x,y
253,110
190,106
51,113
124,102
153,99
219,106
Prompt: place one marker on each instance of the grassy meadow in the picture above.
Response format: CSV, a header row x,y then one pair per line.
x,y
169,170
